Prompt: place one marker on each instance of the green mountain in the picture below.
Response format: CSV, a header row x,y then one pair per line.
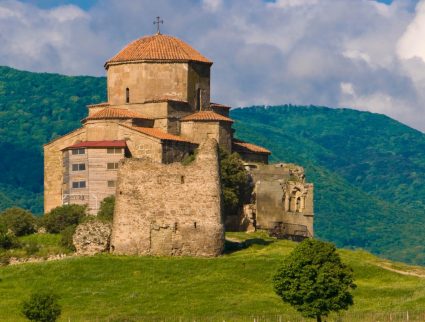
x,y
233,287
34,109
368,169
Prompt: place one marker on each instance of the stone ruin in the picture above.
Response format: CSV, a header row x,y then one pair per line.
x,y
169,209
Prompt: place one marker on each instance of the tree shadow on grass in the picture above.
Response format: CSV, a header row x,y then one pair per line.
x,y
232,246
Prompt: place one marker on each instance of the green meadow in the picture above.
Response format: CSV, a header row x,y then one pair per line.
x,y
234,287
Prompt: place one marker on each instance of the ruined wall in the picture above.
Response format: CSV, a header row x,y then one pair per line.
x,y
169,209
147,81
282,196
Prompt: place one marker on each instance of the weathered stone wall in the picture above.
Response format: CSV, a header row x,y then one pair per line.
x,y
169,209
281,195
199,84
92,237
147,81
201,131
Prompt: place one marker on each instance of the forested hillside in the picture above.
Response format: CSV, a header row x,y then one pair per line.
x,y
368,169
35,108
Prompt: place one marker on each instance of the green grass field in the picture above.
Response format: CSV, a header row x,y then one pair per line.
x,y
232,287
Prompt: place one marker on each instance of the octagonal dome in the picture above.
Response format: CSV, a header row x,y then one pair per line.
x,y
158,48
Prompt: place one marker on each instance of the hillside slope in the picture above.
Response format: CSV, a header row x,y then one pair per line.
x,y
362,198
368,169
232,287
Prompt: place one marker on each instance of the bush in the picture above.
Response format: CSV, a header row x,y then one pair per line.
x,y
42,307
235,183
106,211
4,259
31,247
62,217
66,237
20,221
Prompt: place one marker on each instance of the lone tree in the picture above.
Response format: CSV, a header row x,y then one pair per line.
x,y
314,280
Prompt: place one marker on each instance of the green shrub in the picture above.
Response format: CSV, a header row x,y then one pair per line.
x,y
42,307
4,259
106,211
32,247
66,237
234,180
62,217
20,221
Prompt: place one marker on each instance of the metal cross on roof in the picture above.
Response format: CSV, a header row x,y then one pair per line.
x,y
157,22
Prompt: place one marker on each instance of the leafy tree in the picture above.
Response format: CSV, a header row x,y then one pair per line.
x,y
106,211
314,280
42,307
62,217
234,179
20,221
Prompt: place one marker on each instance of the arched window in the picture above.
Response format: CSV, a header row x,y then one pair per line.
x,y
299,204
198,99
127,95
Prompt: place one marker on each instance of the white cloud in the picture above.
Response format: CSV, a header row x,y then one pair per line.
x,y
292,3
412,44
347,89
356,53
212,5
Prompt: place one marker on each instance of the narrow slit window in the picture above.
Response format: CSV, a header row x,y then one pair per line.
x,y
127,95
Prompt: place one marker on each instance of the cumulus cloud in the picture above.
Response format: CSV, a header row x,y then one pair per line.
x,y
352,53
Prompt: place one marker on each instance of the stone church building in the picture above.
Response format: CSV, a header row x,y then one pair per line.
x,y
158,111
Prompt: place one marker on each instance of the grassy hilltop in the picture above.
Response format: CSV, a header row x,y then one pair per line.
x,y
232,287
368,170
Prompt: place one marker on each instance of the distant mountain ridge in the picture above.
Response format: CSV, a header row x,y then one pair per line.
x,y
368,170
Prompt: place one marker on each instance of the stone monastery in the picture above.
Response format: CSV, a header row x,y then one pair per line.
x,y
158,112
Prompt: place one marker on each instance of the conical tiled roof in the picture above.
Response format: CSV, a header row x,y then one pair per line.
x,y
116,113
158,47
206,116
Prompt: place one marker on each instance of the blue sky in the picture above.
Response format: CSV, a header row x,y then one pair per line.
x,y
362,54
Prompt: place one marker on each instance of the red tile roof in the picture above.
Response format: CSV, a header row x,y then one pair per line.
x,y
216,105
98,105
159,134
116,113
98,144
245,147
206,116
158,47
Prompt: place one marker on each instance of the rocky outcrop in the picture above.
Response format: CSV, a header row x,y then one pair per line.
x,y
92,237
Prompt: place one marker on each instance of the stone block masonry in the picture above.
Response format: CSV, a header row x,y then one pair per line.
x,y
169,209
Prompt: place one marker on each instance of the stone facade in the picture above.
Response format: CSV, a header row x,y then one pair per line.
x,y
169,209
